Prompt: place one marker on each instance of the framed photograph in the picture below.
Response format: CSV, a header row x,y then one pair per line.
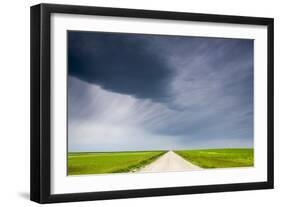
x,y
133,103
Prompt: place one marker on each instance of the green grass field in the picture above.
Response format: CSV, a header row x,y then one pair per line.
x,y
219,158
109,162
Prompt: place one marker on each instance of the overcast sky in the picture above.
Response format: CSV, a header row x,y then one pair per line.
x,y
151,92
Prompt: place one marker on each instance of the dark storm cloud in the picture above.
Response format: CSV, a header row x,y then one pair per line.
x,y
120,63
171,91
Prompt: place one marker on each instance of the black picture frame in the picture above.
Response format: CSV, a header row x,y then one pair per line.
x,y
41,99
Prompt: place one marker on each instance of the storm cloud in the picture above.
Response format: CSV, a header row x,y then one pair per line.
x,y
120,63
147,92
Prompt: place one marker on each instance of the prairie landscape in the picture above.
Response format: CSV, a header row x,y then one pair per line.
x,y
219,158
109,162
157,161
140,103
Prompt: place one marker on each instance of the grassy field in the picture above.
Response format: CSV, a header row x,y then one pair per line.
x,y
219,158
109,162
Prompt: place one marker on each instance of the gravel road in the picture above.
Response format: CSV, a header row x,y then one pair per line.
x,y
169,162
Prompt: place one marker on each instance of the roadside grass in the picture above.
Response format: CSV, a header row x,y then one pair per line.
x,y
82,163
219,158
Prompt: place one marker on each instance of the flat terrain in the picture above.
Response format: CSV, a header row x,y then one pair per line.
x,y
83,163
109,162
219,158
169,162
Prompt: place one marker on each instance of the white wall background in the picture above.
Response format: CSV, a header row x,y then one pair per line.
x,y
14,104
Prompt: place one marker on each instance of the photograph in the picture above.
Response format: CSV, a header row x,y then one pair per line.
x,y
130,103
140,103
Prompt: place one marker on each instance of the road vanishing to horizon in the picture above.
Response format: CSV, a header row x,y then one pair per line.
x,y
131,92
83,163
169,162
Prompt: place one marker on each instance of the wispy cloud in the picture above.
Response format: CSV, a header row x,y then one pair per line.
x,y
142,92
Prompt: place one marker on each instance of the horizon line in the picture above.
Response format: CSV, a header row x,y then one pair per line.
x,y
159,150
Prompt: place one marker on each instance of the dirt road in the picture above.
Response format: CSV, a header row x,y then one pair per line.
x,y
169,162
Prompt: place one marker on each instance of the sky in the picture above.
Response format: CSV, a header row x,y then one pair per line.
x,y
129,92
